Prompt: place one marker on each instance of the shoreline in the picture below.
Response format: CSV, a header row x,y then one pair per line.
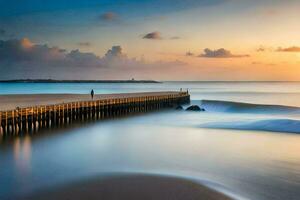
x,y
131,187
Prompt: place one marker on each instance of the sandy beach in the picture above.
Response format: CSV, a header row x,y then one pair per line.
x,y
8,102
130,187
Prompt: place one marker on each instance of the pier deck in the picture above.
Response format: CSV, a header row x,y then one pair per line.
x,y
10,102
25,113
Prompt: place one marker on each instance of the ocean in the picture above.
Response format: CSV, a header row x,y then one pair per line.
x,y
246,144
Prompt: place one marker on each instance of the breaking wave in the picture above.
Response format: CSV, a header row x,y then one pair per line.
x,y
239,107
278,117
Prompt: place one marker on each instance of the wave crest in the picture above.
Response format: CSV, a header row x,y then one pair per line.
x,y
239,107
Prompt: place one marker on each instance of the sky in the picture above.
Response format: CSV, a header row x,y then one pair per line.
x,y
196,40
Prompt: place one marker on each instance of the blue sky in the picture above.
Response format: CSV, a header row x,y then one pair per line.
x,y
16,7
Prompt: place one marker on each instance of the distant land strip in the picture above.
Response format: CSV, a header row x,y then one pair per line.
x,y
75,81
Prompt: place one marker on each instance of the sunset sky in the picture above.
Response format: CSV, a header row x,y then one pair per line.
x,y
150,39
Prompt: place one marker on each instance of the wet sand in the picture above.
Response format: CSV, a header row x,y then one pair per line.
x,y
130,187
8,102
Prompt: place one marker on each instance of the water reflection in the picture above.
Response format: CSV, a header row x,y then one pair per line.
x,y
22,154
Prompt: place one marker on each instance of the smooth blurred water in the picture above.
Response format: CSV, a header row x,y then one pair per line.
x,y
248,163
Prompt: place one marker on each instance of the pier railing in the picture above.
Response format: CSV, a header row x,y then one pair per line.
x,y
33,118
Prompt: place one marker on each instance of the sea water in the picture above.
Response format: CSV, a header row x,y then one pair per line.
x,y
246,143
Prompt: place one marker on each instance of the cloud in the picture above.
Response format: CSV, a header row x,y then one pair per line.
x,y
23,52
84,44
289,49
279,49
153,36
21,58
220,53
261,49
115,52
189,53
109,16
77,58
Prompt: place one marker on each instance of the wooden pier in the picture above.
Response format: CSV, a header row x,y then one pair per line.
x,y
33,118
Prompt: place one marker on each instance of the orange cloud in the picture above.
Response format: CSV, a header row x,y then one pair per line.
x,y
26,43
220,53
289,49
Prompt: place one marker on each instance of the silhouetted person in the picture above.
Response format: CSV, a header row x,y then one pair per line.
x,y
92,94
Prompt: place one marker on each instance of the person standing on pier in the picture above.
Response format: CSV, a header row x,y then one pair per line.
x,y
92,94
